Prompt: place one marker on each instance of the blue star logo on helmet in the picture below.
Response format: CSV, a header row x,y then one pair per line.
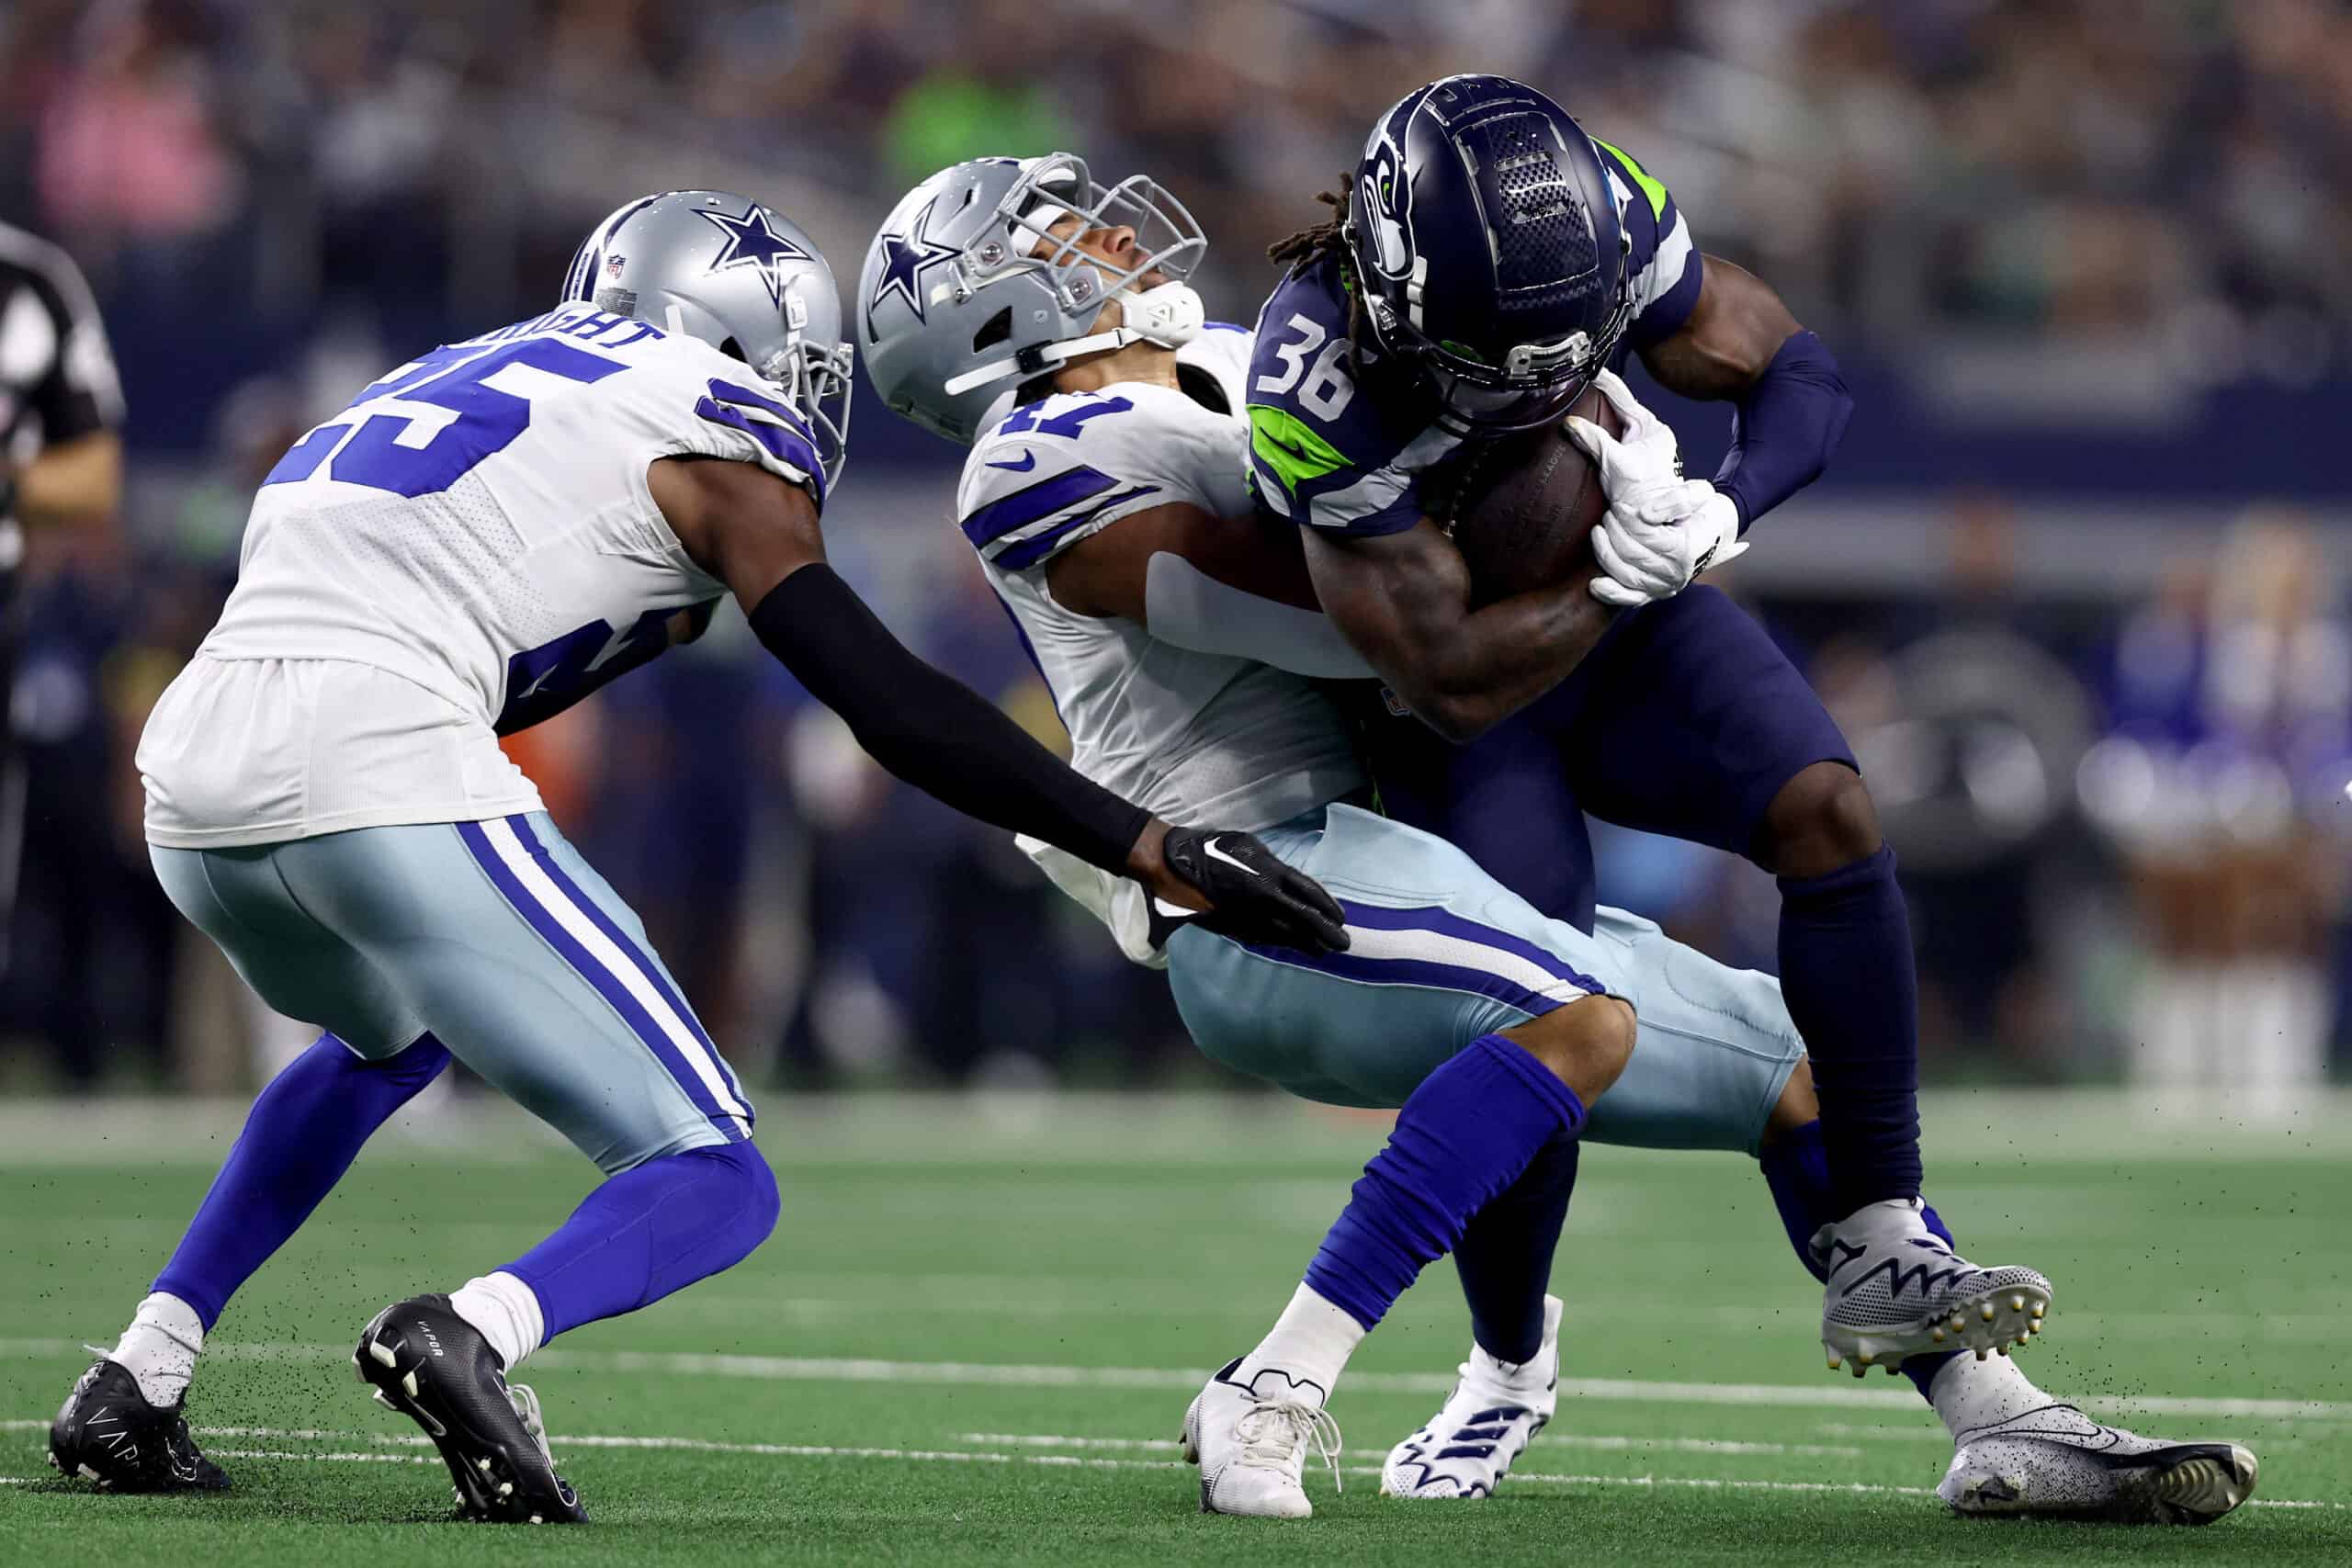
x,y
905,258
752,242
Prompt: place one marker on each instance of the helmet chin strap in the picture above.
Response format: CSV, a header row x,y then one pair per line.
x,y
1168,314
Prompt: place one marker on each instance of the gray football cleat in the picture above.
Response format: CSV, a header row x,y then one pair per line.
x,y
2058,1464
1897,1289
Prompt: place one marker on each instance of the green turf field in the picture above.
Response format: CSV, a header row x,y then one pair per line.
x,y
977,1326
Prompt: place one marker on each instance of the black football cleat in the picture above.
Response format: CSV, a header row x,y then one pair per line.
x,y
107,1433
436,1369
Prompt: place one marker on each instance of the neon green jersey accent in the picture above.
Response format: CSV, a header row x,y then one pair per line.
x,y
1642,178
1293,450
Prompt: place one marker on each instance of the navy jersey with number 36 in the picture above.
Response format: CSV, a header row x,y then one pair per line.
x,y
1330,450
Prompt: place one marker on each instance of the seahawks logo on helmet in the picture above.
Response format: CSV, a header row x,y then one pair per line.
x,y
1388,202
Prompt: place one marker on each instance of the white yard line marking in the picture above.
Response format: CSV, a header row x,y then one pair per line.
x,y
822,1369
958,1455
315,1457
1549,1439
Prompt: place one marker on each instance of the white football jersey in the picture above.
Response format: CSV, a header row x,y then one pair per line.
x,y
467,548
1198,739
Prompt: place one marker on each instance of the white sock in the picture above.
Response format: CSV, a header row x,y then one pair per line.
x,y
505,1311
1969,1394
1311,1342
160,1347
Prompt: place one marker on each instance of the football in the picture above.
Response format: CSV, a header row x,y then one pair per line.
x,y
1524,508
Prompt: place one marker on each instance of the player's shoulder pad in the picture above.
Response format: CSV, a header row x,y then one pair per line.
x,y
1056,470
709,404
1223,350
1327,447
1663,265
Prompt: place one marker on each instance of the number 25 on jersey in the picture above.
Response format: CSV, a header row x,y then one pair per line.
x,y
426,426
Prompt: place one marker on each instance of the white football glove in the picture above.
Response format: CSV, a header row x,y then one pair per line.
x,y
1662,530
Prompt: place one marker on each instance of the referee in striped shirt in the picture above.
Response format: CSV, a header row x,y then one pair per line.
x,y
60,465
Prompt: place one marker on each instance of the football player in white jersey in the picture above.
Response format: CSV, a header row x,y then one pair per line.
x,y
1042,319
482,537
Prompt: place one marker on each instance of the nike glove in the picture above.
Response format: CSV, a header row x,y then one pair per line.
x,y
1259,900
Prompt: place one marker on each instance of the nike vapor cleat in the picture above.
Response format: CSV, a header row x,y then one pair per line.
x,y
1250,1441
2058,1464
1897,1289
435,1368
107,1432
1483,1426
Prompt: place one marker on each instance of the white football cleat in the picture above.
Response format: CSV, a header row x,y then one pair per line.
x,y
1250,1441
1897,1289
2058,1464
1483,1426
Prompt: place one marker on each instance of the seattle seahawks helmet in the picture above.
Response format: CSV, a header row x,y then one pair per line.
x,y
731,272
976,286
1485,237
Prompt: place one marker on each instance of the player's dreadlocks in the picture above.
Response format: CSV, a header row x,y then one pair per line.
x,y
1329,238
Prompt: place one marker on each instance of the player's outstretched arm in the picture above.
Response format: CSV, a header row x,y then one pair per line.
x,y
1741,344
1403,598
760,536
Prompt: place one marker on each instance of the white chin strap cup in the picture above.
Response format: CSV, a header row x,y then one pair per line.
x,y
1168,314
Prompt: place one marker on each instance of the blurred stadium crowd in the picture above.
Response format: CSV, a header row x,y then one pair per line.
x,y
2074,585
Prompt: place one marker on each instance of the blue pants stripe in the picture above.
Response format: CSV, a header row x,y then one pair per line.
x,y
1496,967
541,920
1437,918
638,955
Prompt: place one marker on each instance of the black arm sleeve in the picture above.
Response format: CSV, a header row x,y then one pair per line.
x,y
934,732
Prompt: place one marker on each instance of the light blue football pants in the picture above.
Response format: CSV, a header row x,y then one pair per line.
x,y
1442,954
500,940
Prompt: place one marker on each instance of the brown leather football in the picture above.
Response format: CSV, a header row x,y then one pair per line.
x,y
1525,504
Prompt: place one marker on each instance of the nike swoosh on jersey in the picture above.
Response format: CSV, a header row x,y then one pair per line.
x,y
1028,461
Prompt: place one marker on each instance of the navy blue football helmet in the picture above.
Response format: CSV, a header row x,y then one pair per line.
x,y
1487,245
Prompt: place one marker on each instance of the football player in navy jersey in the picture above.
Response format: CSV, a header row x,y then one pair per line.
x,y
1491,262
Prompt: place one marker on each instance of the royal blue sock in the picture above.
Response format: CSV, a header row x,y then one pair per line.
x,y
652,1230
302,1134
1464,1138
1505,1255
1796,1167
1847,972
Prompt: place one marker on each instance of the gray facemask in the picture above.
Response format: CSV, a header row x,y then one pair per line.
x,y
975,285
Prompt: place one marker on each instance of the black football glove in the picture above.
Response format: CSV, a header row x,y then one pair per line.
x,y
1258,899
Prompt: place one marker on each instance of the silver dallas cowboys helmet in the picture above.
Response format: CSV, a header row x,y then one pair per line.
x,y
969,294
731,272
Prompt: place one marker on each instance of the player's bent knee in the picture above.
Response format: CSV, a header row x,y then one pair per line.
x,y
1798,1105
735,1192
1585,1044
1821,821
762,1203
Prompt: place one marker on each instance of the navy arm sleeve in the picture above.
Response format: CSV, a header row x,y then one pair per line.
x,y
1785,428
934,731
